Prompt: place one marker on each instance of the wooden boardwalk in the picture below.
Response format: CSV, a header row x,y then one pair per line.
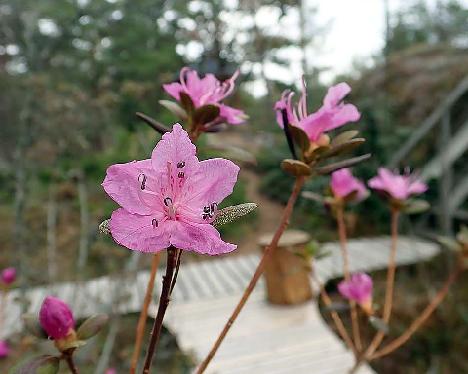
x,y
265,339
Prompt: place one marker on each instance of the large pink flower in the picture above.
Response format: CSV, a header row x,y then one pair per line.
x,y
343,184
207,90
333,113
400,187
170,199
358,288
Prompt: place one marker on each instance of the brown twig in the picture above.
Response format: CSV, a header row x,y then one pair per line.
x,y
336,318
405,336
140,330
155,125
258,272
163,303
388,293
71,364
344,252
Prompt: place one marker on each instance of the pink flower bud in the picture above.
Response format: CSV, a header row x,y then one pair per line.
x,y
4,349
56,318
8,275
359,289
399,187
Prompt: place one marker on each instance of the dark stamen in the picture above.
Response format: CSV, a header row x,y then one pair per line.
x,y
142,181
287,132
180,165
154,222
167,201
181,174
213,207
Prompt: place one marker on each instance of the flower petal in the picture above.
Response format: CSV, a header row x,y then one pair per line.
x,y
148,233
232,115
336,94
123,184
200,238
213,181
417,187
342,115
173,89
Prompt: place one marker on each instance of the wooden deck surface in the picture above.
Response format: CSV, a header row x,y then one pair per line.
x,y
265,339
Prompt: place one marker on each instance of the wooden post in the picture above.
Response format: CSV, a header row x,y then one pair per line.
x,y
287,272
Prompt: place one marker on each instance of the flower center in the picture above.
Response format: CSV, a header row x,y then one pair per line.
x,y
170,208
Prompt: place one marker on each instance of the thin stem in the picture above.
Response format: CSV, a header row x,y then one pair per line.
x,y
140,330
335,316
163,303
389,287
174,279
417,323
344,252
71,364
258,272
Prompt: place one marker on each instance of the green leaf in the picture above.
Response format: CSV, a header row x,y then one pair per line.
x,y
462,235
449,243
233,213
342,164
91,326
205,114
295,167
187,103
415,206
37,365
175,108
33,326
343,148
343,137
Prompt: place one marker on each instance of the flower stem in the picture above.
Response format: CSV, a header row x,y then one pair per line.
x,y
426,313
71,364
144,313
335,316
389,288
258,272
163,303
344,252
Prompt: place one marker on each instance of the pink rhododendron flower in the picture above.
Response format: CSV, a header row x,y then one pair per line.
x,y
4,349
344,184
111,371
207,90
333,113
359,289
398,186
170,199
56,318
8,275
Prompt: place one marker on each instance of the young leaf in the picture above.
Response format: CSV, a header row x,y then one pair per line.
x,y
174,108
378,324
295,167
343,148
233,213
343,137
205,114
91,326
187,103
104,227
415,206
300,138
342,164
33,326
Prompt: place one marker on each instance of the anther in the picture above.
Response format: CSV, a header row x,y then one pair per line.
x,y
154,222
180,165
181,174
142,180
167,201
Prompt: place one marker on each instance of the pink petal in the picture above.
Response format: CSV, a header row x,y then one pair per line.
x,y
315,124
122,184
173,89
213,181
200,238
232,115
417,187
174,150
336,94
149,233
342,115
